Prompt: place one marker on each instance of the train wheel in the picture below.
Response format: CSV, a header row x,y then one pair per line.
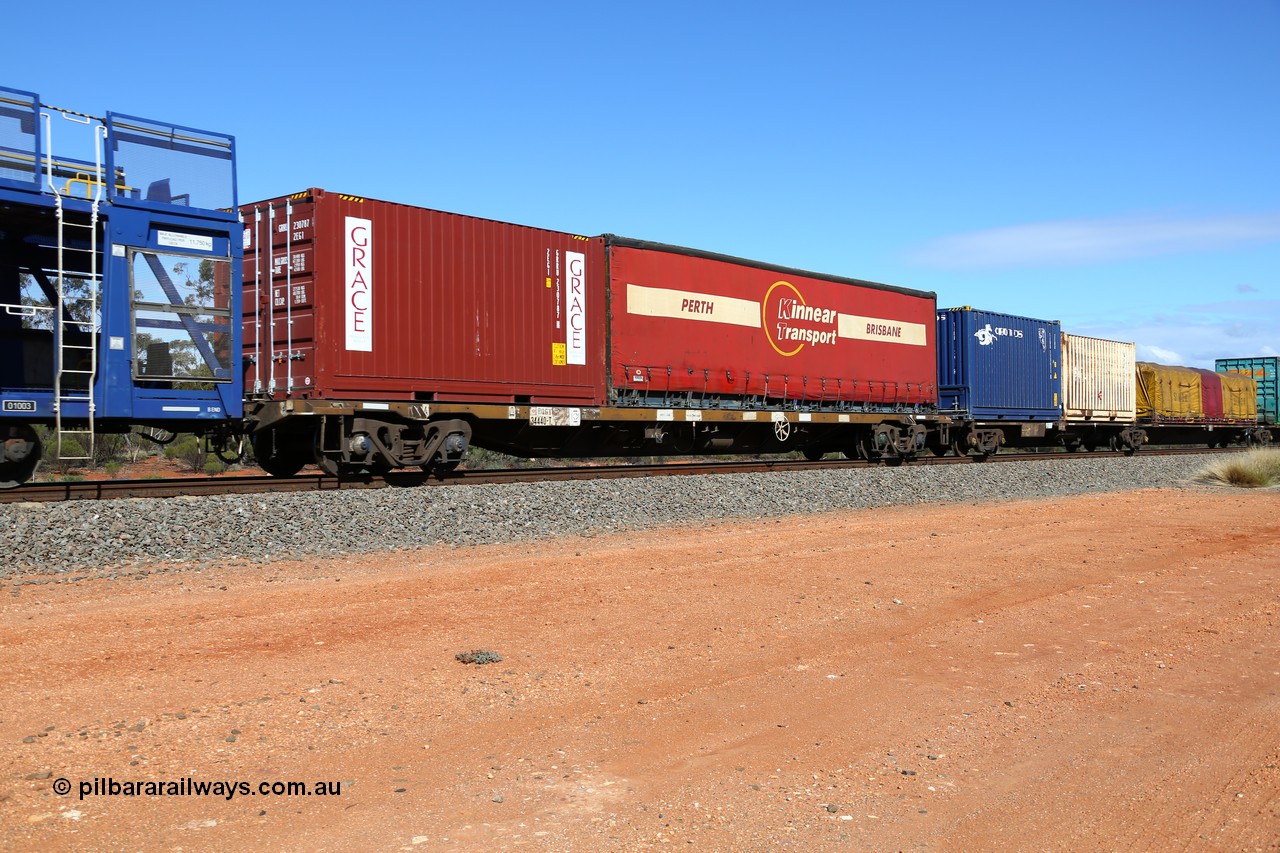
x,y
21,454
279,466
276,456
813,454
1119,444
980,455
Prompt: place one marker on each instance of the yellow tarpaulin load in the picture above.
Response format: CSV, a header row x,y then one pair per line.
x,y
1239,397
1169,392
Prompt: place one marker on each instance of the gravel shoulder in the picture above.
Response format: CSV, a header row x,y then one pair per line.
x,y
1086,672
82,539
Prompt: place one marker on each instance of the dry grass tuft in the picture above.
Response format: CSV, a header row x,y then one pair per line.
x,y
1255,469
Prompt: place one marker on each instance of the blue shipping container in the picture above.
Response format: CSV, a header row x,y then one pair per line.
x,y
999,367
1264,371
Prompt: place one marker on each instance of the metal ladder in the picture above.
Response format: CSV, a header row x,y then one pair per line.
x,y
76,358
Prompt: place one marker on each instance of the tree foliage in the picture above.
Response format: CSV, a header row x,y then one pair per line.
x,y
189,450
77,292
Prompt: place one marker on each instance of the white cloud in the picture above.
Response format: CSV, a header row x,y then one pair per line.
x,y
1190,335
1090,241
1151,352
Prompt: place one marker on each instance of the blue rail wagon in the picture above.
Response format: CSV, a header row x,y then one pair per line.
x,y
998,380
120,280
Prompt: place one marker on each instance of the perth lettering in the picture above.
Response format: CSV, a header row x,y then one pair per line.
x,y
697,306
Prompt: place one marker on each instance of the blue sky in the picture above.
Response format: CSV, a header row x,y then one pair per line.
x,y
1113,165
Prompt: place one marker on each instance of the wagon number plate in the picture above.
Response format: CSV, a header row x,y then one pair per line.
x,y
554,416
19,405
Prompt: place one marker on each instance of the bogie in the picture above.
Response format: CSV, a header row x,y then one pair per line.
x,y
19,455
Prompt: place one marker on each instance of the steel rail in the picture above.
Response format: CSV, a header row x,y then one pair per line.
x,y
177,487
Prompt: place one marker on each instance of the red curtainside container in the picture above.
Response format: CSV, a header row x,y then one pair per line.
x,y
712,326
354,297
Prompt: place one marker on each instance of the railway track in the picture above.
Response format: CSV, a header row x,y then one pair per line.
x,y
179,487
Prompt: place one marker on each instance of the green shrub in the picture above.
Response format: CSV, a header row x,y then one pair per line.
x,y
108,448
70,447
189,450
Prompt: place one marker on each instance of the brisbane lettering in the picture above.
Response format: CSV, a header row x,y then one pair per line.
x,y
881,330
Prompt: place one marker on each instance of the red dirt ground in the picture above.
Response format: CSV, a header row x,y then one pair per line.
x,y
151,467
1090,673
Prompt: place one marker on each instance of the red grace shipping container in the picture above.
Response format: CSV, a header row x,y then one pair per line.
x,y
384,335
372,298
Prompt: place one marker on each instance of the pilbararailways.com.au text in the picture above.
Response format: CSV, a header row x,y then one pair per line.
x,y
188,787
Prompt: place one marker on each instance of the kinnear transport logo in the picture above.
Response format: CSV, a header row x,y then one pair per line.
x,y
792,322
